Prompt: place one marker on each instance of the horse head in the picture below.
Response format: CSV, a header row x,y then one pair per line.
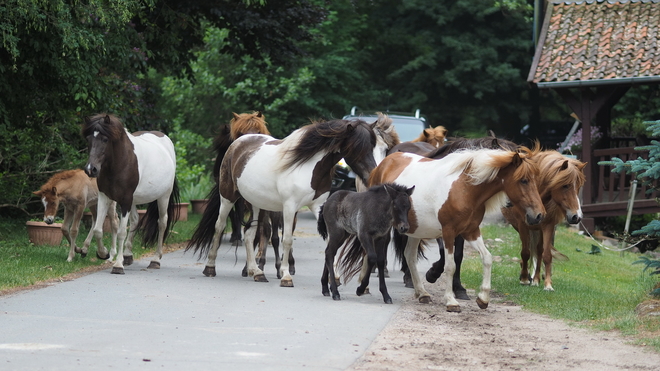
x,y
248,123
400,197
48,195
357,147
100,131
564,178
520,185
434,136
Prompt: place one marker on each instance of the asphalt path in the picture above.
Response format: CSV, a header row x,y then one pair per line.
x,y
174,318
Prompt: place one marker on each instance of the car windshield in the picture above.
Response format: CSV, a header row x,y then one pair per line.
x,y
407,128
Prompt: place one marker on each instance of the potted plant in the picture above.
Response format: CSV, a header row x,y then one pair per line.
x,y
195,193
40,233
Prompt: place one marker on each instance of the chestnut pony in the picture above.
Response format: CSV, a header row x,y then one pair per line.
x,y
75,191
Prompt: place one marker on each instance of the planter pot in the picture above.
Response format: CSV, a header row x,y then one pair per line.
x,y
199,206
183,211
87,220
41,233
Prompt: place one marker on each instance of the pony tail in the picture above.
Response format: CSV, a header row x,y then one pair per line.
x,y
350,259
320,225
203,236
149,225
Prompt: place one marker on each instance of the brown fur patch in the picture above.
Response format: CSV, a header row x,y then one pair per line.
x,y
237,159
389,169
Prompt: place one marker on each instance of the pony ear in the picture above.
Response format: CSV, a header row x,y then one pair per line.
x,y
236,116
564,165
582,165
410,190
88,121
54,190
38,193
427,133
491,134
107,119
444,132
516,160
351,126
259,114
495,143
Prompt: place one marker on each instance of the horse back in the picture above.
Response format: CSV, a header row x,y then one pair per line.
x,y
156,160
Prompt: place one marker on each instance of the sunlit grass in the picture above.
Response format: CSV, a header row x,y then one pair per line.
x,y
599,290
23,263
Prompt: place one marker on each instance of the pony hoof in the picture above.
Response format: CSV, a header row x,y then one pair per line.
x,y
461,294
338,282
286,283
244,273
78,250
128,259
425,299
117,270
431,276
260,278
387,300
454,308
326,293
482,304
336,297
102,258
209,271
154,265
409,284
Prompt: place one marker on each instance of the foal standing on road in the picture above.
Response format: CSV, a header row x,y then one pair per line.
x,y
363,220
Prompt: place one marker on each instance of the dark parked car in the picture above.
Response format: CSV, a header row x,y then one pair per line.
x,y
407,126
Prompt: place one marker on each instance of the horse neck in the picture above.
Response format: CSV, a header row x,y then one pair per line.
x,y
489,194
115,167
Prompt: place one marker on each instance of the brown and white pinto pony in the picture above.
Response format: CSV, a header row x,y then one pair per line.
x,y
132,169
559,182
451,197
284,175
75,191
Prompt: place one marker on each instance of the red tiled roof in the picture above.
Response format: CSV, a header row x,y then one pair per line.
x,y
594,42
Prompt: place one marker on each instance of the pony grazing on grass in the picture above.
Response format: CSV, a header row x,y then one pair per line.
x,y
363,220
132,169
451,197
284,175
560,180
75,191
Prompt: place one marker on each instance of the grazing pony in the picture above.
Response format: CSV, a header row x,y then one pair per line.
x,y
284,175
132,169
75,191
451,197
559,183
433,136
363,220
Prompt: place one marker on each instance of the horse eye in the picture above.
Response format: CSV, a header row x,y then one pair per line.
x,y
524,181
567,186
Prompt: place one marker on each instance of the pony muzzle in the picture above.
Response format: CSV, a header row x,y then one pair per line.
x,y
573,218
49,219
91,171
402,228
534,219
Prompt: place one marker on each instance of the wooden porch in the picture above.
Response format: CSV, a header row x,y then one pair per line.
x,y
610,191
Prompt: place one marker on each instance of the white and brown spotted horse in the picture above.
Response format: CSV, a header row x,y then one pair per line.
x,y
132,169
285,175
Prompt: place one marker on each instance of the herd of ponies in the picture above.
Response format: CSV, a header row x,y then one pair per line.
x,y
431,188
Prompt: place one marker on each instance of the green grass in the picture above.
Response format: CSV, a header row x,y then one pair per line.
x,y
24,264
596,290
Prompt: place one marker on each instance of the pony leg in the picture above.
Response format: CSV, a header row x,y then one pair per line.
x,y
287,243
133,220
525,254
483,298
381,259
75,227
438,267
66,231
370,250
220,224
250,260
334,243
410,253
162,226
90,235
536,250
118,267
101,210
547,238
114,226
450,268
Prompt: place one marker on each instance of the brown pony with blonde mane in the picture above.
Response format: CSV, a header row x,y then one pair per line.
x,y
559,185
75,191
451,198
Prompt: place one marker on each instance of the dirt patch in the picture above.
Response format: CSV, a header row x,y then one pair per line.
x,y
502,337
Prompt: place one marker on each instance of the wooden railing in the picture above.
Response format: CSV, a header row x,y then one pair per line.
x,y
612,191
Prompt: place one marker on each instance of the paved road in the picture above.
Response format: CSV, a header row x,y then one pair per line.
x,y
177,319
